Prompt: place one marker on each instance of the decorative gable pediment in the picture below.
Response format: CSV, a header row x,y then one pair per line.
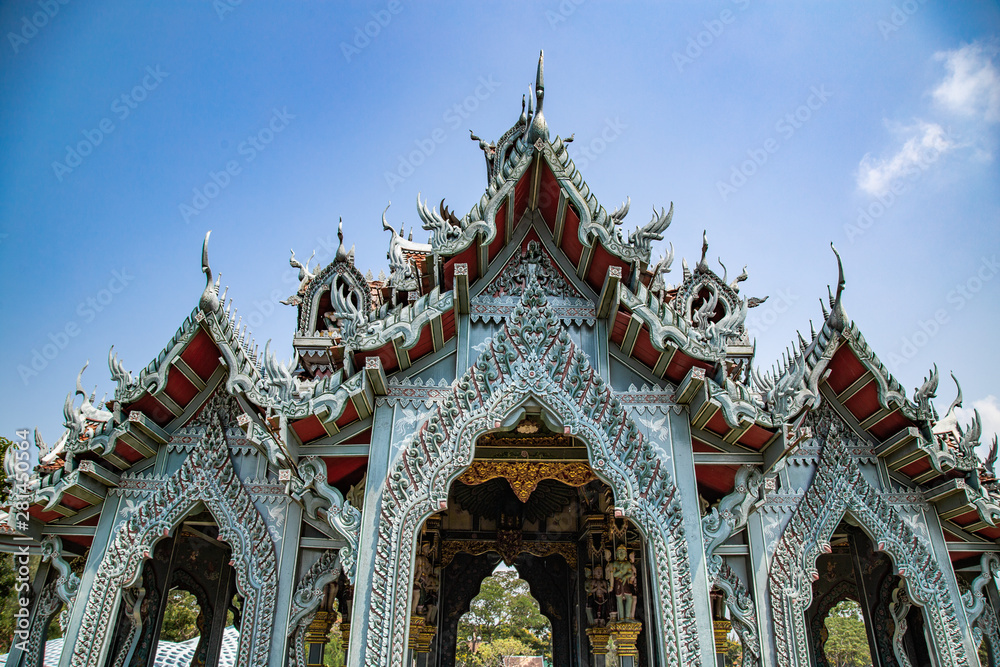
x,y
503,293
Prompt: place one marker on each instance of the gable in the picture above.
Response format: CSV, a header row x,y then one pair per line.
x,y
501,295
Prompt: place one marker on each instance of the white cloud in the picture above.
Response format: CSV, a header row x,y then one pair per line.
x,y
970,90
927,142
972,84
989,412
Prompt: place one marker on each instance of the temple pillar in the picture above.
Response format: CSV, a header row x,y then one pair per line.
x,y
867,593
600,643
378,468
758,584
460,583
549,581
722,628
102,537
18,657
317,636
287,551
687,488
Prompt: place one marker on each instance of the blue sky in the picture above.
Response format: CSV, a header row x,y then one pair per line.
x,y
128,131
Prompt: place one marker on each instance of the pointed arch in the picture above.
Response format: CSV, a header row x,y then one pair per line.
x,y
840,488
206,477
532,358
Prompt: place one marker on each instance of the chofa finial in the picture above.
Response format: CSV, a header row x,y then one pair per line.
x,y
538,129
341,251
209,301
838,319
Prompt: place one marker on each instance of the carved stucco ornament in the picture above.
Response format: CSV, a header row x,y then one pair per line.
x,y
524,476
840,487
206,476
532,357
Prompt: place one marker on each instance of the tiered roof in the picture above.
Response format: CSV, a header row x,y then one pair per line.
x,y
355,332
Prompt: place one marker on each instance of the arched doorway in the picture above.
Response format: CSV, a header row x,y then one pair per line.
x,y
530,501
204,494
841,493
187,590
531,363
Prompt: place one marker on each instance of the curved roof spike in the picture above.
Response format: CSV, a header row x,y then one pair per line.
x,y
740,278
991,458
538,129
838,318
43,449
643,237
702,265
725,271
957,403
826,314
684,268
385,223
664,263
539,76
619,213
209,301
972,435
446,214
341,251
79,381
926,391
523,120
840,276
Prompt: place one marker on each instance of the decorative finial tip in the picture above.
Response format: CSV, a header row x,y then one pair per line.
x,y
209,301
341,252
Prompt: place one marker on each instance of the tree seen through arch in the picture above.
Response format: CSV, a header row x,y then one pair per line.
x,y
503,620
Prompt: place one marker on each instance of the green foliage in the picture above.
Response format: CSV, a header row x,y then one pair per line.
x,y
180,619
8,602
847,642
333,655
493,653
503,620
734,653
9,597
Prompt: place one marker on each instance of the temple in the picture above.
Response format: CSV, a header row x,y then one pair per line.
x,y
531,386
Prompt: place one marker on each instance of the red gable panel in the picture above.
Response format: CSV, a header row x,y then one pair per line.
x,y
844,369
179,388
201,355
548,196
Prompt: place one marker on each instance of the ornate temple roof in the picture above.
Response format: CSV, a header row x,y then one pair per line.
x,y
354,333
